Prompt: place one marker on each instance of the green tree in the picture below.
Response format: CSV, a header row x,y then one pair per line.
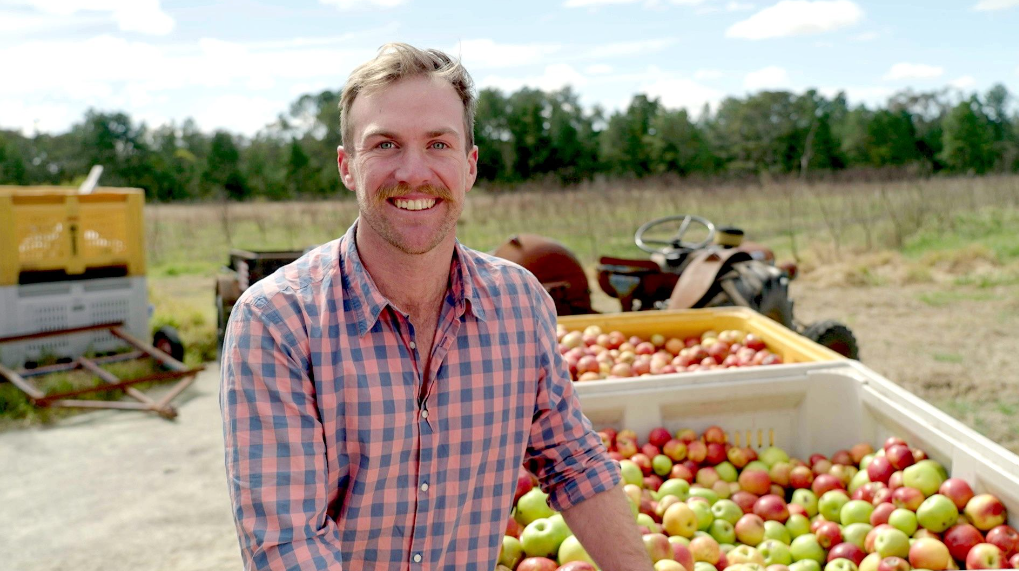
x,y
222,176
968,138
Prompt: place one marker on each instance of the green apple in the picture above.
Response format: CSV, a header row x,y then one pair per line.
x,y
511,552
903,520
925,475
807,547
856,511
661,465
870,562
541,538
805,565
892,542
727,510
756,465
679,539
937,513
722,531
533,505
859,479
797,525
856,533
776,530
559,524
648,522
703,512
865,461
727,472
840,564
806,498
674,487
631,473
680,519
772,456
830,504
703,566
705,493
775,552
571,550
744,554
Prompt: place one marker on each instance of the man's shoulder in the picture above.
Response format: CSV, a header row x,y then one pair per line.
x,y
496,271
285,286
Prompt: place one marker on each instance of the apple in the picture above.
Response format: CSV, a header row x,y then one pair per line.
x,y
750,529
722,531
907,497
870,562
578,566
855,511
871,538
727,510
797,525
1014,561
696,451
937,513
652,482
705,548
537,564
840,564
771,507
1006,538
805,565
828,534
822,466
570,550
739,457
702,510
511,552
882,496
960,538
925,476
856,533
755,481
677,487
846,550
903,520
661,465
626,446
881,513
860,450
891,441
807,499
681,553
727,471
844,473
643,461
899,456
668,565
891,542
895,481
824,483
745,500
893,563
861,488
531,506
880,470
807,547
985,512
675,449
687,435
957,490
542,537
830,504
525,482
801,477
707,476
776,530
682,472
658,436
928,553
985,556
779,473
680,519
657,546
775,552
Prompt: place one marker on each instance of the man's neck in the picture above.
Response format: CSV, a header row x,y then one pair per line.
x,y
414,283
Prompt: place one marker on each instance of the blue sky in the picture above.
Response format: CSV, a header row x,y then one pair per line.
x,y
237,64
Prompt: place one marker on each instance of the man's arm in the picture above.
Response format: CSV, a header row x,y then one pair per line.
x,y
605,527
275,452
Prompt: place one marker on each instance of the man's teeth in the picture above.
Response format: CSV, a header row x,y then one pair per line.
x,y
419,204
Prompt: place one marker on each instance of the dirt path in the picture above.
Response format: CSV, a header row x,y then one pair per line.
x,y
119,491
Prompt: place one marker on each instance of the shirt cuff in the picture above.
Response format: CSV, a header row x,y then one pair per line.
x,y
600,474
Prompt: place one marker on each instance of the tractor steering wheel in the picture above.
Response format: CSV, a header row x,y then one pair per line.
x,y
676,241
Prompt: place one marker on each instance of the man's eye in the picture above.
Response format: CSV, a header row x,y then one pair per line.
x,y
439,145
386,145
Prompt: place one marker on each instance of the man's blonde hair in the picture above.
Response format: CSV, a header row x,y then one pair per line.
x,y
396,61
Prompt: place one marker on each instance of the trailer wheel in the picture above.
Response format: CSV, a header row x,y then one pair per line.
x,y
167,340
834,336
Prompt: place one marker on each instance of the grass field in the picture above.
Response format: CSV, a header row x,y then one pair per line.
x,y
886,258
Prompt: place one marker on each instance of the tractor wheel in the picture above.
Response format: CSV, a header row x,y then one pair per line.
x,y
835,336
168,341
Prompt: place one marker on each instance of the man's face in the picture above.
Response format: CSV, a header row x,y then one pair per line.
x,y
410,168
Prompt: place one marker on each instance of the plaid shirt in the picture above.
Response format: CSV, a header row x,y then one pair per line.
x,y
332,461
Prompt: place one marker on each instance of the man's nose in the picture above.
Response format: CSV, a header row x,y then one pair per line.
x,y
414,169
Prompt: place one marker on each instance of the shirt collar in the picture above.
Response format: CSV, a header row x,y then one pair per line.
x,y
368,303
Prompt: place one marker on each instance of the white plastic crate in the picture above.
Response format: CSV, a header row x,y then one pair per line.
x,y
806,408
65,304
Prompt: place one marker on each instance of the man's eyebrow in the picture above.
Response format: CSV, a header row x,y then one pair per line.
x,y
441,132
378,133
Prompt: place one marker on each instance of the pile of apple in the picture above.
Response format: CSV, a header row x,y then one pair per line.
x,y
593,354
703,504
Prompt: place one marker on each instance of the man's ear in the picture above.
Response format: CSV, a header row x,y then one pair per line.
x,y
343,163
472,167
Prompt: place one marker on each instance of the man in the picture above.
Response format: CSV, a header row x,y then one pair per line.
x,y
380,393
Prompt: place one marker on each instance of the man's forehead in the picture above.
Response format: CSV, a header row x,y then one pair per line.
x,y
423,104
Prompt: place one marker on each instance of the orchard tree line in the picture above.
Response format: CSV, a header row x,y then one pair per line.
x,y
537,136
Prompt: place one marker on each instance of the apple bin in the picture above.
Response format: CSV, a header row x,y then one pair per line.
x,y
821,407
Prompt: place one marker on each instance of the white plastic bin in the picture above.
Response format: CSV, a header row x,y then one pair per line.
x,y
804,409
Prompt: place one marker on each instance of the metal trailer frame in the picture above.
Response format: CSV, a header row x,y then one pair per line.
x,y
162,407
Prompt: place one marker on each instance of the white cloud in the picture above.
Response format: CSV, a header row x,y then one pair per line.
x,y
870,95
46,117
143,16
771,77
484,53
734,6
586,3
683,93
362,4
598,69
630,48
238,113
866,36
985,5
964,82
555,76
707,74
905,70
797,18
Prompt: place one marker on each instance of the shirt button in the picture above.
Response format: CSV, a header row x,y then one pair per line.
x,y
424,413
417,558
413,345
424,487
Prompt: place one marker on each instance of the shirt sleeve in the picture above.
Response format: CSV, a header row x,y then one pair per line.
x,y
275,451
564,451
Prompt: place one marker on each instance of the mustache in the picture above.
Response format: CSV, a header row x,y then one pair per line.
x,y
398,190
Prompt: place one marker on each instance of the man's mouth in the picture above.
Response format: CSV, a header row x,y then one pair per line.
x,y
416,204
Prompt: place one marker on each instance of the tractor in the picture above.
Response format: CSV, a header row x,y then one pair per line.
x,y
691,263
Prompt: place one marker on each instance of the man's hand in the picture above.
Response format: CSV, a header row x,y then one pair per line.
x,y
606,528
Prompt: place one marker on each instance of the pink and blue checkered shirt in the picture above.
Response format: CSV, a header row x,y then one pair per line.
x,y
332,461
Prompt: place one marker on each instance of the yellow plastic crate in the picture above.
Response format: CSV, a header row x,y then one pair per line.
x,y
791,346
56,229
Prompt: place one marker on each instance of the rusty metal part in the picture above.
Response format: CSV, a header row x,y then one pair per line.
x,y
556,268
701,274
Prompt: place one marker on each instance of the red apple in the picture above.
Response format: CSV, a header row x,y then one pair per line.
x,y
659,436
716,453
929,553
985,556
755,481
843,457
908,498
881,513
537,564
696,451
681,553
1006,538
650,450
675,449
826,483
859,451
1013,561
893,564
738,457
828,534
957,490
687,435
846,550
960,538
643,462
525,481
985,512
899,456
578,566
882,496
745,500
772,507
801,477
682,472
893,440
880,469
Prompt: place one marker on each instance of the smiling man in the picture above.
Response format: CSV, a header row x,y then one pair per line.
x,y
380,393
